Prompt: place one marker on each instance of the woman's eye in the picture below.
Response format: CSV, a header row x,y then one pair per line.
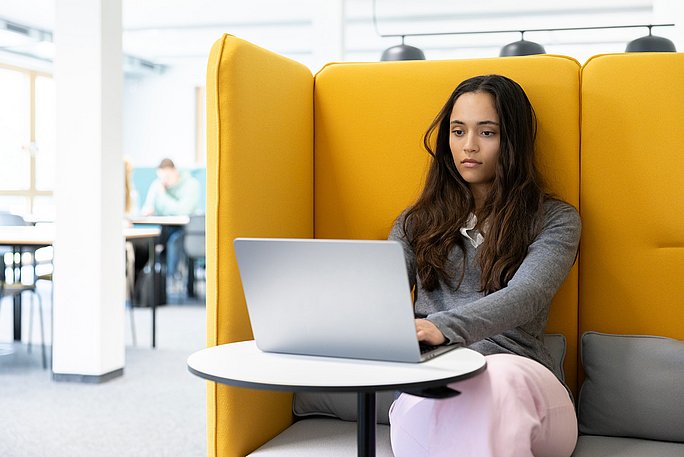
x,y
457,132
488,133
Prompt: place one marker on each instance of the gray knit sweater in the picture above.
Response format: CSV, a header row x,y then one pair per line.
x,y
510,320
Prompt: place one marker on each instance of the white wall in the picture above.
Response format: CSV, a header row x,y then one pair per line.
x,y
159,116
160,109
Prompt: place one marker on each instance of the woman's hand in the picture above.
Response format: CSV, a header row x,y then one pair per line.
x,y
428,333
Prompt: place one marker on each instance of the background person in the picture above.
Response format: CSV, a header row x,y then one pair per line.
x,y
130,196
172,194
487,248
130,192
137,250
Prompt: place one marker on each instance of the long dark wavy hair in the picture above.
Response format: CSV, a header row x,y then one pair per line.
x,y
513,208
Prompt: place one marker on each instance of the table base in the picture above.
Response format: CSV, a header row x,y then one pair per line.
x,y
366,423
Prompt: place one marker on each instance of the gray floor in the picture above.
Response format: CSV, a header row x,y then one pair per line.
x,y
156,408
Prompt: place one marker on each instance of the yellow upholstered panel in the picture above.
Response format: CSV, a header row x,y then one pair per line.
x,y
369,161
632,194
259,183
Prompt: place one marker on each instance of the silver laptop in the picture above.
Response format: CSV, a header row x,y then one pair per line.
x,y
335,298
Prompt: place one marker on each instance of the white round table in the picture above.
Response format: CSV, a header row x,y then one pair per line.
x,y
242,364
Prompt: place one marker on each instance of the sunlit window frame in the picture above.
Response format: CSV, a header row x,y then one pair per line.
x,y
32,192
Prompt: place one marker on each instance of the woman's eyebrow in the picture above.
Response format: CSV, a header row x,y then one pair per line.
x,y
456,121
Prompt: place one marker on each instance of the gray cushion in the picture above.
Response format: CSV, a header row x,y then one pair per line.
x,y
321,438
555,343
340,405
634,387
607,446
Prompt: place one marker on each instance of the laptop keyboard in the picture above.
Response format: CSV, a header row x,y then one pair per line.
x,y
426,348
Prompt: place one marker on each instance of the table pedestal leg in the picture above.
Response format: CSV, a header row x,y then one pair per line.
x,y
16,278
191,278
366,424
17,317
155,285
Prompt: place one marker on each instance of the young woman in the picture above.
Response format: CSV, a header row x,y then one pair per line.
x,y
487,248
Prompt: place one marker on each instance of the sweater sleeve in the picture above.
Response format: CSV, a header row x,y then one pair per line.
x,y
155,188
530,290
184,204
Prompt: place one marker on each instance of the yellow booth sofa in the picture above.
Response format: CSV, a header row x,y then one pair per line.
x,y
339,155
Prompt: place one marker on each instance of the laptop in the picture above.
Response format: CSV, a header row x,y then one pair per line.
x,y
334,298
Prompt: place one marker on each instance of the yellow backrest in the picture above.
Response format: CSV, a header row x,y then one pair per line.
x,y
260,181
632,195
369,162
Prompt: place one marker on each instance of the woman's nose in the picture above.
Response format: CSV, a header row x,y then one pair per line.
x,y
470,144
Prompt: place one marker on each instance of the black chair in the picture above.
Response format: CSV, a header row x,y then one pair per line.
x,y
16,287
194,245
130,287
13,220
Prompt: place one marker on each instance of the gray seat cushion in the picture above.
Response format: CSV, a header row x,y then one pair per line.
x,y
608,446
633,387
555,343
340,405
321,437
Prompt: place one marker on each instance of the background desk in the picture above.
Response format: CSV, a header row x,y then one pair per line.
x,y
19,237
160,220
244,365
166,224
152,235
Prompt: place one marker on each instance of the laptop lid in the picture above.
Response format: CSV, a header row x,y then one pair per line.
x,y
335,298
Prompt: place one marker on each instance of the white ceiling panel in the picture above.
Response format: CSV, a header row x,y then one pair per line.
x,y
171,32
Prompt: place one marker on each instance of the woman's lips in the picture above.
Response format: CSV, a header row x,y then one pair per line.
x,y
470,163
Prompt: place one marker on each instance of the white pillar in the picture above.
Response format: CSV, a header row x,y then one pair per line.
x,y
328,29
88,326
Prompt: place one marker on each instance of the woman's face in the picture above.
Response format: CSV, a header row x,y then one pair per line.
x,y
474,139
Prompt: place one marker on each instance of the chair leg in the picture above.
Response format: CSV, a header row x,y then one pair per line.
x,y
132,313
30,326
42,330
52,317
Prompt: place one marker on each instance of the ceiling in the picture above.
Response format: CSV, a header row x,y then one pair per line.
x,y
171,31
178,32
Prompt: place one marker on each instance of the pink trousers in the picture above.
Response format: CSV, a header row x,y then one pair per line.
x,y
515,408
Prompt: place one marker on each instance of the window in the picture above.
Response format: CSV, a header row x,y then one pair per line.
x,y
27,142
45,133
14,130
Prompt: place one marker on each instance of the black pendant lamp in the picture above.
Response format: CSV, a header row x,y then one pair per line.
x,y
651,43
522,48
402,52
